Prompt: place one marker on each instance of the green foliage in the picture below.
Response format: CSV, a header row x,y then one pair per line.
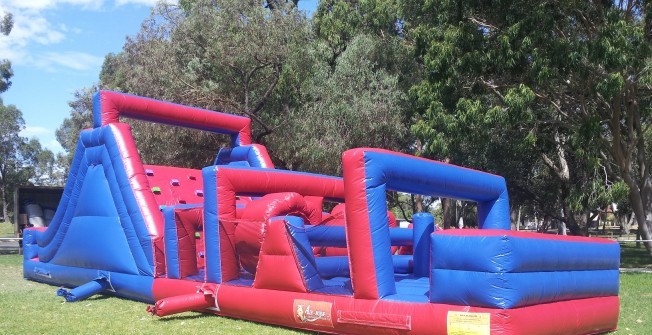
x,y
355,104
265,62
555,97
6,25
222,55
22,161
536,83
6,72
338,22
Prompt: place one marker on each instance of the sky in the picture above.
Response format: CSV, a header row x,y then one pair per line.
x,y
57,47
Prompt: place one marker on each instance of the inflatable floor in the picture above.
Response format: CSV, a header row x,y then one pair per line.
x,y
244,240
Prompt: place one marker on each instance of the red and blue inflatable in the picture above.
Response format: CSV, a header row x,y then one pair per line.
x,y
242,239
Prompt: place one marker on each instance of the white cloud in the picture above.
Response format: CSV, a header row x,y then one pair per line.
x,y
44,135
36,131
137,2
54,146
70,59
33,26
39,5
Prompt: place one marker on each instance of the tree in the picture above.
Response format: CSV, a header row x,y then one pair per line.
x,y
564,88
81,117
222,55
358,103
22,161
40,165
264,62
6,25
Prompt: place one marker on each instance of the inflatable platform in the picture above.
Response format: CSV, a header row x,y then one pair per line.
x,y
245,240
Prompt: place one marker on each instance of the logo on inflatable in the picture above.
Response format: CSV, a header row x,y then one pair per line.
x,y
314,312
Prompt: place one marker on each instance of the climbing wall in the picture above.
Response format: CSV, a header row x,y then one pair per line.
x,y
175,186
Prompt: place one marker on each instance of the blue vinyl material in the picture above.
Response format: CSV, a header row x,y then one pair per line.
x,y
46,237
136,287
376,193
243,155
211,226
512,290
505,253
335,236
338,266
98,226
410,288
171,244
423,226
171,240
96,242
512,270
84,291
30,246
100,173
388,171
303,252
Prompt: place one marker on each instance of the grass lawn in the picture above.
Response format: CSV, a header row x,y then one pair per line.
x,y
27,307
31,308
6,229
633,257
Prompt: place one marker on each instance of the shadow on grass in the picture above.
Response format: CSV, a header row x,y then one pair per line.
x,y
100,297
633,257
196,315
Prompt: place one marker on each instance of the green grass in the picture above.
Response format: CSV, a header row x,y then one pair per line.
x,y
633,257
27,307
6,229
635,304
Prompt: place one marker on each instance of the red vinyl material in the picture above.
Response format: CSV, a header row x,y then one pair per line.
x,y
233,182
251,229
114,105
363,268
277,267
174,186
182,303
347,315
190,224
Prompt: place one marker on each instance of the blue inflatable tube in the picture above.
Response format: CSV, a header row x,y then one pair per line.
x,y
334,236
135,287
338,266
84,291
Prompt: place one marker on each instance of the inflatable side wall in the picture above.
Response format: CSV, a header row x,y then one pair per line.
x,y
232,237
108,229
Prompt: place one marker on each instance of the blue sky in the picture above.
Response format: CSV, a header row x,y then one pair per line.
x,y
57,47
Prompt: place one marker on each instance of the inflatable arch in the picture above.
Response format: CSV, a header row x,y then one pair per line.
x,y
240,239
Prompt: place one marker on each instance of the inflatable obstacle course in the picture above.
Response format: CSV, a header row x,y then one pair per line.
x,y
242,239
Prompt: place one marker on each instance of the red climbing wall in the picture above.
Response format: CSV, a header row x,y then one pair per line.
x,y
174,186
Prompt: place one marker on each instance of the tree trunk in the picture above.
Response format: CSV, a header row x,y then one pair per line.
x,y
418,203
643,213
569,217
3,193
448,212
518,219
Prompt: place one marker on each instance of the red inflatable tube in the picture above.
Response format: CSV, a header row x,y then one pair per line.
x,y
115,104
345,315
182,303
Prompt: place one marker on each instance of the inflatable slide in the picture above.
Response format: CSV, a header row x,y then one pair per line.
x,y
242,239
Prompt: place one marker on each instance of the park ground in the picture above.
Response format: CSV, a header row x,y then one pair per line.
x,y
27,307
